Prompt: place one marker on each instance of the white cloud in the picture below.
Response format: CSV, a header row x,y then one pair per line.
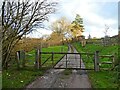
x,y
111,22
96,31
94,23
39,33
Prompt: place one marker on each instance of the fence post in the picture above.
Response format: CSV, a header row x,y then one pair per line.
x,y
96,62
37,58
40,65
80,60
114,60
52,59
23,58
18,59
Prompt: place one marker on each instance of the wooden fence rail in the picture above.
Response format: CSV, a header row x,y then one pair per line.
x,y
39,64
112,57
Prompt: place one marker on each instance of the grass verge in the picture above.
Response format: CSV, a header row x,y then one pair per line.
x,y
13,78
67,72
103,78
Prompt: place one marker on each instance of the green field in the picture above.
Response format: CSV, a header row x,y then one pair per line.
x,y
103,78
13,78
31,55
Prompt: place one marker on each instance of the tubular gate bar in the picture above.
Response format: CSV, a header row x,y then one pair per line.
x,y
65,55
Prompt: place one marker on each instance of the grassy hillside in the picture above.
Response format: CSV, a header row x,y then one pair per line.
x,y
103,78
12,78
92,48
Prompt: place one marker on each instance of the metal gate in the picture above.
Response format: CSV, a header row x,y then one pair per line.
x,y
74,61
80,61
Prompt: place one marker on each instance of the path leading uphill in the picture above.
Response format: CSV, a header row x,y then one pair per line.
x,y
55,78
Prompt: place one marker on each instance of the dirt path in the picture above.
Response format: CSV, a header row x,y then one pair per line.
x,y
55,78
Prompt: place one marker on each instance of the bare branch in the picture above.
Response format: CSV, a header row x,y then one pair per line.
x,y
19,18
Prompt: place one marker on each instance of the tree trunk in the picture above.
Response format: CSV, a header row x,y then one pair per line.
x,y
6,51
0,57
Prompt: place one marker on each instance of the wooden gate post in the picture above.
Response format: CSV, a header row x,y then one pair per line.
x,y
37,58
40,65
18,59
52,59
96,62
80,60
23,58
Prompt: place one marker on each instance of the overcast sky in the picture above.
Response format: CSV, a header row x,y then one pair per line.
x,y
95,15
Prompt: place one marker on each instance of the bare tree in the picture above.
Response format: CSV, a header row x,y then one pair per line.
x,y
0,46
20,18
61,28
106,29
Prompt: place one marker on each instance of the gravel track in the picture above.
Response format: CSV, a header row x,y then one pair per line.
x,y
55,78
